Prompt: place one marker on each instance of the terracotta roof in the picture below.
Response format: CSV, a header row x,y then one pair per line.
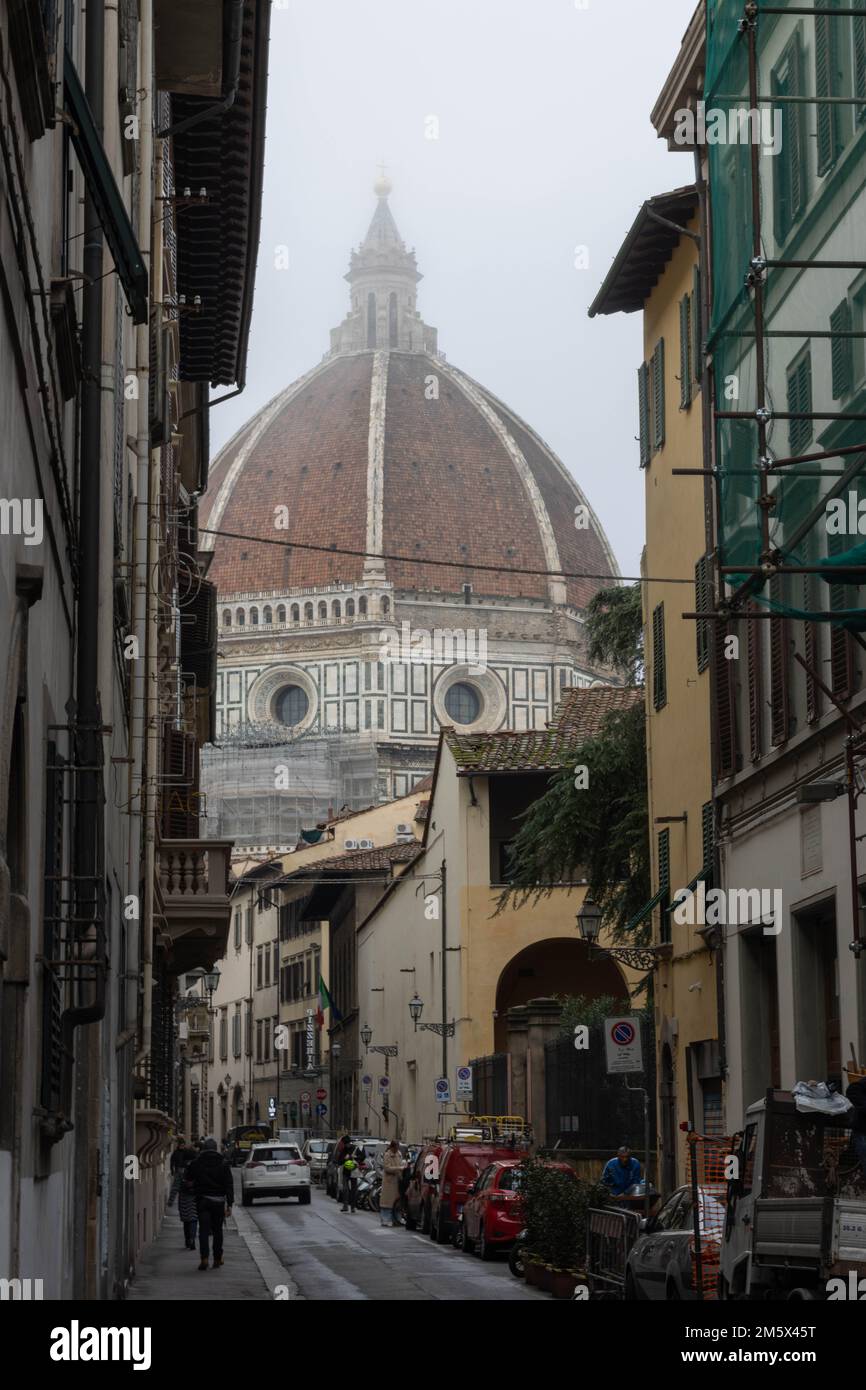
x,y
495,488
578,716
582,712
357,861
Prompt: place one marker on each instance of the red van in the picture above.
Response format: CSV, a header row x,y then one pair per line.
x,y
459,1166
422,1184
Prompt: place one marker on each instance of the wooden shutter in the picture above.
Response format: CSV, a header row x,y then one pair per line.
x,y
697,326
827,84
789,195
841,351
660,690
703,604
658,394
644,408
708,833
664,868
859,23
799,384
811,651
841,643
726,712
685,353
756,686
179,785
779,673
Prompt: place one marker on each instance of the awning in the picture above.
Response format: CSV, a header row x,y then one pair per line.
x,y
103,189
704,876
645,911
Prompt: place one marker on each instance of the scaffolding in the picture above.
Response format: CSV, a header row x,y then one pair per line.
x,y
785,129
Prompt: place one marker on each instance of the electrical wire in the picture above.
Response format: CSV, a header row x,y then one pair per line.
x,y
461,563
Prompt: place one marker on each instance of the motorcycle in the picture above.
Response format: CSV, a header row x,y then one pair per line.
x,y
515,1256
369,1189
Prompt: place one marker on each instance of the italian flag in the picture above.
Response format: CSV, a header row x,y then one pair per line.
x,y
326,1002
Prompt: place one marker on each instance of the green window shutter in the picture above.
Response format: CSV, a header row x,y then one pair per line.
x,y
697,327
685,353
660,690
827,83
789,169
644,408
859,23
799,381
703,604
708,834
658,394
796,122
842,351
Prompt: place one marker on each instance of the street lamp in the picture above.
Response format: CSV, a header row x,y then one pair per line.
x,y
366,1035
589,920
444,1030
211,980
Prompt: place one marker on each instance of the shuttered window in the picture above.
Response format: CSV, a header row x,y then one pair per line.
x,y
644,407
799,381
179,785
811,650
685,352
52,932
726,715
658,394
842,596
697,326
708,834
828,83
789,166
859,38
841,350
664,869
756,687
703,604
779,672
660,687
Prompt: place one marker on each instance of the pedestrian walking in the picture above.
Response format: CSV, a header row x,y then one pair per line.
x,y
187,1209
392,1168
351,1163
210,1178
176,1166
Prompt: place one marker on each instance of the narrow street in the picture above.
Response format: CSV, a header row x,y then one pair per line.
x,y
336,1256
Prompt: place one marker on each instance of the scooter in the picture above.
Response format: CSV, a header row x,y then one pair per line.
x,y
369,1189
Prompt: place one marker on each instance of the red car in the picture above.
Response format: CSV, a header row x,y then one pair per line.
x,y
493,1214
418,1196
459,1167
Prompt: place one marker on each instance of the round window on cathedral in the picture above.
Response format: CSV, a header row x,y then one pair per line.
x,y
463,703
291,705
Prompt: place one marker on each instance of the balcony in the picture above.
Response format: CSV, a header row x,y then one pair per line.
x,y
193,893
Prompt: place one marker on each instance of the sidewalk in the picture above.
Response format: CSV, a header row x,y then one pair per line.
x,y
166,1271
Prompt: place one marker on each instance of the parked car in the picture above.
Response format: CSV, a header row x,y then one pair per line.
x,y
317,1152
424,1176
661,1262
493,1213
459,1166
239,1141
275,1170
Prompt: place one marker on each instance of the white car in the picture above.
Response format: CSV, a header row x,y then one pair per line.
x,y
275,1170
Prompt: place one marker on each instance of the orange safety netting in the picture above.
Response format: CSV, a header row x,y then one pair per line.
x,y
708,1164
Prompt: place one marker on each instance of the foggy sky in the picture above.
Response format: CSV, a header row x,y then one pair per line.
x,y
544,144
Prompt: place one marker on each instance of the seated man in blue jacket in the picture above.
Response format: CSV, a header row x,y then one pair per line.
x,y
622,1172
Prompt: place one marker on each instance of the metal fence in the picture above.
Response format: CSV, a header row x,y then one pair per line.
x,y
586,1108
490,1084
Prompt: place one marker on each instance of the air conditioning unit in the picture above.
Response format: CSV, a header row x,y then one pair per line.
x,y
350,844
365,844
405,839
403,829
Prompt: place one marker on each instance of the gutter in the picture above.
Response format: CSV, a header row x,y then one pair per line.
x,y
233,15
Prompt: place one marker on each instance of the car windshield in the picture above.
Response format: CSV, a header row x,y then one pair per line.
x,y
319,1146
281,1155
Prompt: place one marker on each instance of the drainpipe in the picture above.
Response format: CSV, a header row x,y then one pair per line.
x,y
233,33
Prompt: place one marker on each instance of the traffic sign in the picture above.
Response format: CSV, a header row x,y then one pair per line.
x,y
321,1110
623,1044
305,1095
384,1085
367,1081
464,1082
305,1107
443,1090
321,1094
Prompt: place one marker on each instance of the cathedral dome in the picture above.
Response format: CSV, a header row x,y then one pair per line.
x,y
385,449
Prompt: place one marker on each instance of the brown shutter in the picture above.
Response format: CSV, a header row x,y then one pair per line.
x,y
756,688
779,664
811,653
726,714
179,788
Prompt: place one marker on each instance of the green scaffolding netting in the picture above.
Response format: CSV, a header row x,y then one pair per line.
x,y
812,359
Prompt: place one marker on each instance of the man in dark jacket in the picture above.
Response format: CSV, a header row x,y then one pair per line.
x,y
856,1093
210,1177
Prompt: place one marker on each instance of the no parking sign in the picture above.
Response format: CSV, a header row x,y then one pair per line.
x,y
623,1044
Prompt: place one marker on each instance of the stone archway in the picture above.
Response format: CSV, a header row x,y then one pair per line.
x,y
550,968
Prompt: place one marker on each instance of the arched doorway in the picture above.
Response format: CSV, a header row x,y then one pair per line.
x,y
557,966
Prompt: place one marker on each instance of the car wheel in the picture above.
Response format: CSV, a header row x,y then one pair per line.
x,y
631,1292
245,1200
410,1223
436,1234
425,1220
483,1247
515,1260
305,1197
459,1238
468,1243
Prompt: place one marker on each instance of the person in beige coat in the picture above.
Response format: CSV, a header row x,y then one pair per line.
x,y
392,1167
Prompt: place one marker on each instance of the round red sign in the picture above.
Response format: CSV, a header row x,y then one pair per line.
x,y
321,1094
